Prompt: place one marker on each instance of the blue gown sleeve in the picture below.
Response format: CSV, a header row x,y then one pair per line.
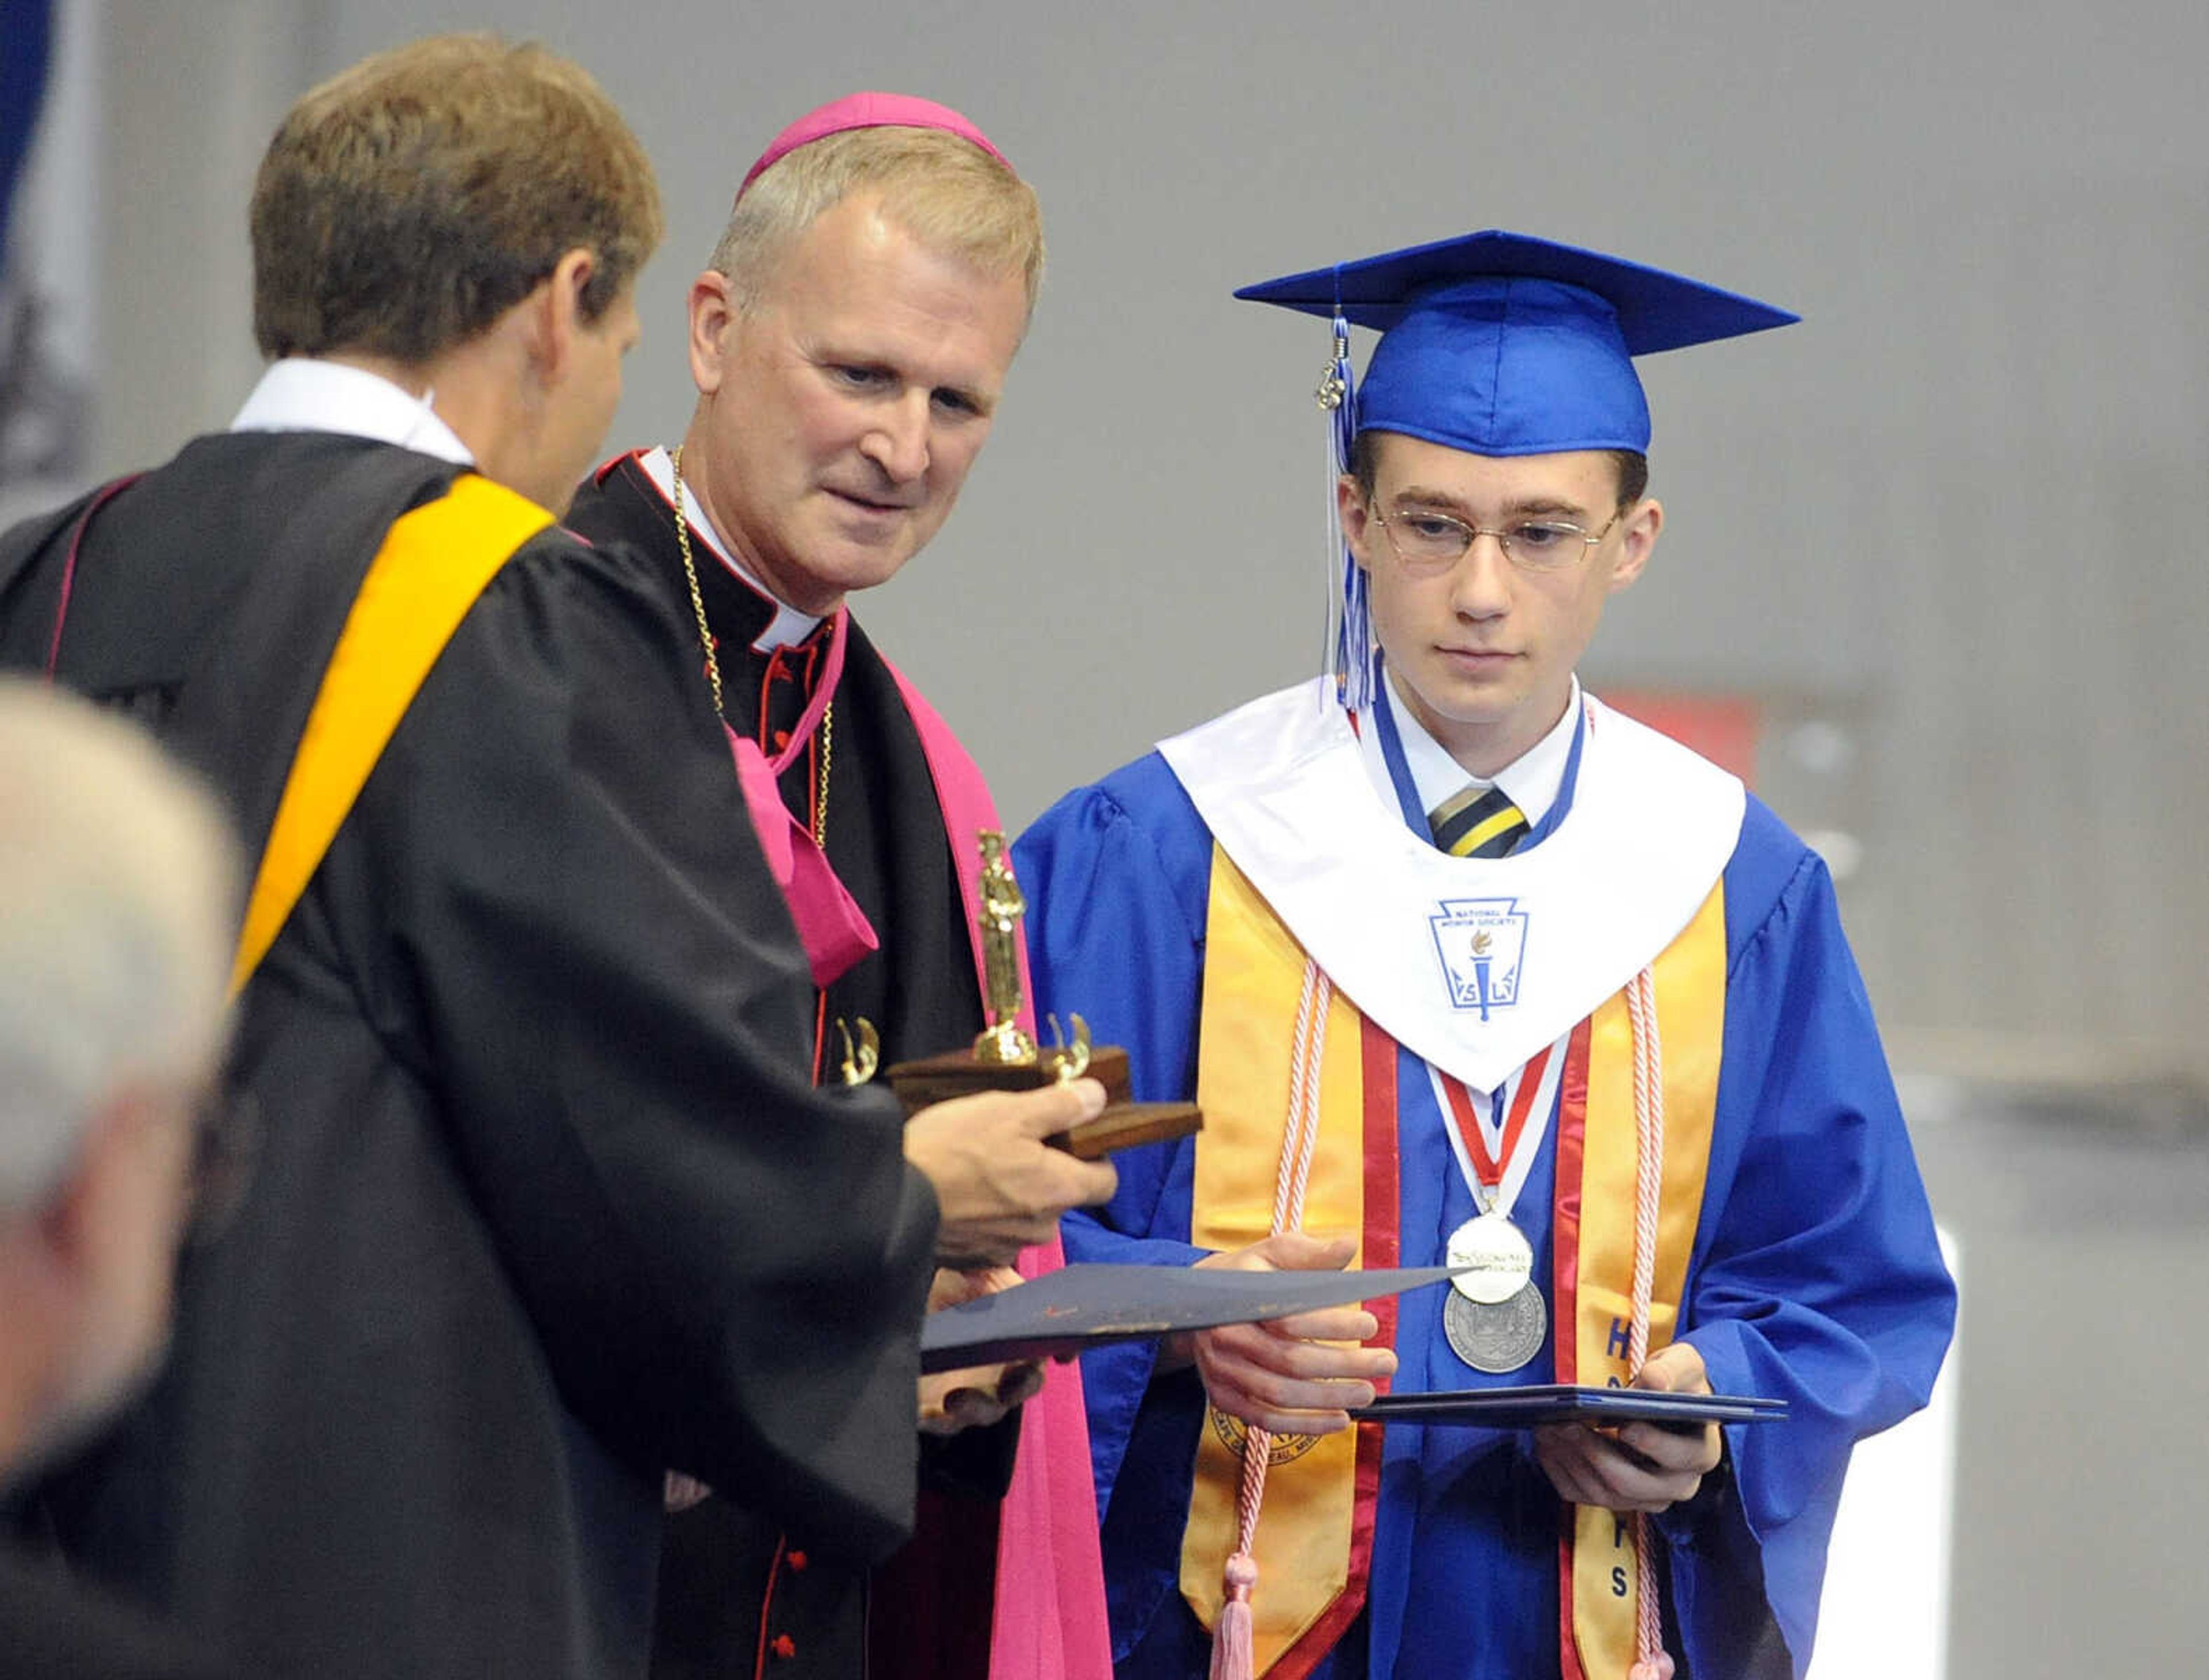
x,y
1817,1278
1117,877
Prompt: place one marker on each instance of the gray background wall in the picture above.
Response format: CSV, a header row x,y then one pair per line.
x,y
1953,524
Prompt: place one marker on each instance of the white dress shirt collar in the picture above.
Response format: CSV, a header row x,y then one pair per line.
x,y
302,394
1532,781
789,626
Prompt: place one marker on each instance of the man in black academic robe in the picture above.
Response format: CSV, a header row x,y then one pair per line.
x,y
542,1202
500,1242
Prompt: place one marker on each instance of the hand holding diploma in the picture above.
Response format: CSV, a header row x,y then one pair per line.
x,y
1639,1467
1292,1376
979,1395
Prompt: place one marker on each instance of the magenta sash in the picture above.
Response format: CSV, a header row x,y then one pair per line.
x,y
831,927
1049,1620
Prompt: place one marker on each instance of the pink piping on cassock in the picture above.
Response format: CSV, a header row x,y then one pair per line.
x,y
1049,1619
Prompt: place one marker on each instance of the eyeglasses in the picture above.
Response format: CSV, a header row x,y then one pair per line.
x,y
1432,542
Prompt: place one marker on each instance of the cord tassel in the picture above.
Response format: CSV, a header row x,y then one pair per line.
x,y
1651,1661
1234,1647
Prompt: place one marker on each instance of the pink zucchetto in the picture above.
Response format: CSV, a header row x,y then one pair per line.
x,y
869,110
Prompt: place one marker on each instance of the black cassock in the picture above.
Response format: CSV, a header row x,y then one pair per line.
x,y
727,1592
542,1202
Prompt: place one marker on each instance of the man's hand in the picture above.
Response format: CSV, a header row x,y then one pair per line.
x,y
976,1398
1641,1467
1284,1374
998,1189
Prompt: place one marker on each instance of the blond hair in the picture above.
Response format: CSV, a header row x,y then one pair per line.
x,y
408,202
118,908
948,193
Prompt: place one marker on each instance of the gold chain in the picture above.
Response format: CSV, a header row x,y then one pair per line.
x,y
690,575
713,664
821,800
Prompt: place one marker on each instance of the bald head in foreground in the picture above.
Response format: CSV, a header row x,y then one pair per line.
x,y
118,898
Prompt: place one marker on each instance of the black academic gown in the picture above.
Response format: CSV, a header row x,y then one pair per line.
x,y
542,1202
53,1627
727,1590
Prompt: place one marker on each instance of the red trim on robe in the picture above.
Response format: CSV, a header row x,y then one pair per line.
x,y
1377,1062
106,493
1565,1251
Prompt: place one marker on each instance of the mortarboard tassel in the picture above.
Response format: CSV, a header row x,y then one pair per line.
x,y
1349,648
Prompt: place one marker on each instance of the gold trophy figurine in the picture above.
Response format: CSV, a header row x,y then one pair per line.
x,y
863,1057
1002,1043
1004,1057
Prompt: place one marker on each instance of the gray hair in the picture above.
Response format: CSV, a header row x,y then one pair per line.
x,y
948,193
118,908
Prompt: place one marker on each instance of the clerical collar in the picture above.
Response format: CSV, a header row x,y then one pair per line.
x,y
1531,781
789,626
306,393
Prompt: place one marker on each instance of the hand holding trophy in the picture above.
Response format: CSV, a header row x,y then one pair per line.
x,y
1005,1057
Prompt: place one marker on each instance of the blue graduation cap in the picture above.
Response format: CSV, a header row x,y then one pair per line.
x,y
1498,344
1505,345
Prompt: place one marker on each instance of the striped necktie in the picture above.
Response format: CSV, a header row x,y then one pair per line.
x,y
1477,822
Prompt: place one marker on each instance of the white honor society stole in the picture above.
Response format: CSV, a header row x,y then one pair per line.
x,y
1475,964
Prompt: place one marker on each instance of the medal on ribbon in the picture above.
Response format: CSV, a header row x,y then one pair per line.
x,y
1497,1318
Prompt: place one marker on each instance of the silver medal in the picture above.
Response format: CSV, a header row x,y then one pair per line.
x,y
1499,1336
1500,1257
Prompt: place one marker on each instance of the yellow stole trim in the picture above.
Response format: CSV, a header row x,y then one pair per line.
x,y
1690,980
434,563
1254,970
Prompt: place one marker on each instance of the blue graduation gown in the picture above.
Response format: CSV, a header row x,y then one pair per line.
x,y
1815,1278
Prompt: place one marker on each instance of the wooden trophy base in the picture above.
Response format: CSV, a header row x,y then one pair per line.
x,y
936,1078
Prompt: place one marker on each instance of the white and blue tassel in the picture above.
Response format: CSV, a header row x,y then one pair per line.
x,y
1348,652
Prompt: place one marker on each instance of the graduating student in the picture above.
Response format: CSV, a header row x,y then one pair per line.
x,y
1545,992
850,339
542,1203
